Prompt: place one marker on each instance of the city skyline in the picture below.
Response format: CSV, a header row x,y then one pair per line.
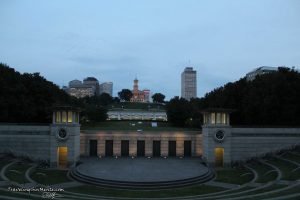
x,y
115,41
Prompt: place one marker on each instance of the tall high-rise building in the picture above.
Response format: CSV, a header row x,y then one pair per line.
x,y
106,87
189,83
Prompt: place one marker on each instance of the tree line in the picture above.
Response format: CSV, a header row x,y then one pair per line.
x,y
30,98
271,99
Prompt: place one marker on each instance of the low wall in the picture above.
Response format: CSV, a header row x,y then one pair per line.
x,y
252,142
29,141
148,137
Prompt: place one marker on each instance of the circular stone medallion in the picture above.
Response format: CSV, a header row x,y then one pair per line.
x,y
62,134
219,135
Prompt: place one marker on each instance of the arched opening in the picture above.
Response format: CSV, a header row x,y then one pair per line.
x,y
62,154
219,157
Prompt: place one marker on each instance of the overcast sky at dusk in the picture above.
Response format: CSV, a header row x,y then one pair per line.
x,y
153,40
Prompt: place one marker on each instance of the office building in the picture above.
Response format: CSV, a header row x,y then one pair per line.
x,y
106,87
259,71
89,87
189,83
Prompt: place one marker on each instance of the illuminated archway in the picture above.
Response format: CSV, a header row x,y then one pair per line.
x,y
62,156
219,157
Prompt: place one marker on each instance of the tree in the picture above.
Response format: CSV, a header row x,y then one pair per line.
x,y
179,111
158,98
105,99
94,113
28,97
116,100
125,94
270,99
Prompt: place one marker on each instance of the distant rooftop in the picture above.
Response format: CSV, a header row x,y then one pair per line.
x,y
266,68
260,70
90,79
188,69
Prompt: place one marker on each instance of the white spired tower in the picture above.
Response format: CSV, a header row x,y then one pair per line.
x,y
189,83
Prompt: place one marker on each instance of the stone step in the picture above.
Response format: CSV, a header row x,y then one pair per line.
x,y
141,185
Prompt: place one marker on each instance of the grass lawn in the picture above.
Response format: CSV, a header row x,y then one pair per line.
x,y
267,189
292,157
187,191
49,176
16,172
133,126
294,190
2,164
234,176
237,190
262,169
286,169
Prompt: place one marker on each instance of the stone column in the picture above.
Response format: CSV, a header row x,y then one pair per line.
x,y
180,146
132,146
117,146
148,146
101,146
164,146
198,145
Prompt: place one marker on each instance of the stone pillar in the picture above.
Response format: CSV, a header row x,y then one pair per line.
x,y
82,144
101,146
148,146
164,146
132,147
198,145
180,146
117,146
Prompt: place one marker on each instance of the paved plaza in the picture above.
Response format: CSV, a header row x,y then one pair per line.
x,y
142,169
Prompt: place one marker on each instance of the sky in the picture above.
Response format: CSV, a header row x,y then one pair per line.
x,y
153,40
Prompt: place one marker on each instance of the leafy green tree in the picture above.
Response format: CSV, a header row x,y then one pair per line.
x,y
31,98
93,113
179,111
105,99
28,97
158,98
125,94
270,99
116,100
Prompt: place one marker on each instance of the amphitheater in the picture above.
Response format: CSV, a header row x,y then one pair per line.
x,y
275,176
219,162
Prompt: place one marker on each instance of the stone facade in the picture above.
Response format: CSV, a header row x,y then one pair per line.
x,y
252,142
43,142
219,143
27,141
225,144
243,143
133,137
